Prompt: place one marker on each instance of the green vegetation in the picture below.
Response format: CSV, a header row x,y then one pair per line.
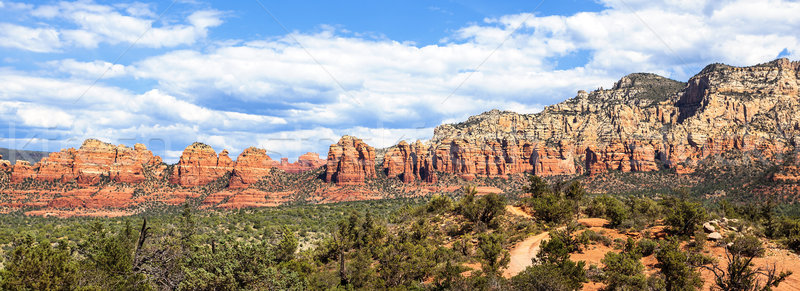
x,y
433,243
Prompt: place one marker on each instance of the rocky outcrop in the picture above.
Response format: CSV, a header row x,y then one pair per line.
x,y
22,170
306,162
350,162
93,161
251,165
199,165
625,156
130,163
410,163
552,161
4,165
644,123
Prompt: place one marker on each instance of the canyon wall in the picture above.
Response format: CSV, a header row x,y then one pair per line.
x,y
643,123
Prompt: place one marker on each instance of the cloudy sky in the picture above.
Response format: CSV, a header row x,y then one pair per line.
x,y
293,76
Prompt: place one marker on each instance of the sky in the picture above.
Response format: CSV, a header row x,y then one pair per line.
x,y
294,76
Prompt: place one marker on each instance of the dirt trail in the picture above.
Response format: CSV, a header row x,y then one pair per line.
x,y
523,252
517,211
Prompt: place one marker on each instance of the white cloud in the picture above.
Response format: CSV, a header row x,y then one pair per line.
x,y
88,69
43,116
40,40
95,24
270,93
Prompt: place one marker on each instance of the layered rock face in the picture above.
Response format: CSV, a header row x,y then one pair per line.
x,y
350,162
251,165
199,165
410,163
88,164
643,122
4,165
306,162
22,170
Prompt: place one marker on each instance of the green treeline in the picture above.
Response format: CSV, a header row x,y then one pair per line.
x,y
437,243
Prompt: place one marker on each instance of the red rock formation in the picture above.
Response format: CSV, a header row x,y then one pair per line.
x,y
621,156
129,164
58,166
642,122
4,165
410,163
350,162
306,162
93,160
21,171
251,165
553,161
199,165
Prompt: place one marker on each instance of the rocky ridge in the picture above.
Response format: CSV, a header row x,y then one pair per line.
x,y
90,163
643,123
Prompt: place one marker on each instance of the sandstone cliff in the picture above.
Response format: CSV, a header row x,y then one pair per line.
x,y
89,164
251,165
410,163
199,165
350,162
643,123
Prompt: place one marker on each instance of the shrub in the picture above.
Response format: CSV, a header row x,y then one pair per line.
x,y
550,277
684,216
439,204
593,236
646,247
609,207
747,246
676,268
623,271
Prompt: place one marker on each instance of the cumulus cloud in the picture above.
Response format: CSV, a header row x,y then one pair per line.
x,y
93,69
291,98
40,40
94,24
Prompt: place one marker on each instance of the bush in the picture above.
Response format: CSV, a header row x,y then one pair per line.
x,y
623,271
609,207
439,204
646,247
484,209
593,236
492,253
547,277
700,238
683,216
38,266
551,208
536,186
676,268
747,246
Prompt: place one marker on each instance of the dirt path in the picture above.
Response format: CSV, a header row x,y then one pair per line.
x,y
517,211
523,252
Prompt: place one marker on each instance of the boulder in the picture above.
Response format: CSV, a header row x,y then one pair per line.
x,y
708,228
714,236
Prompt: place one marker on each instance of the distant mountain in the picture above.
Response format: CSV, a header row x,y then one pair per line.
x,y
14,155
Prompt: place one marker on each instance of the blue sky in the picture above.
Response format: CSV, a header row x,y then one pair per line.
x,y
293,76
